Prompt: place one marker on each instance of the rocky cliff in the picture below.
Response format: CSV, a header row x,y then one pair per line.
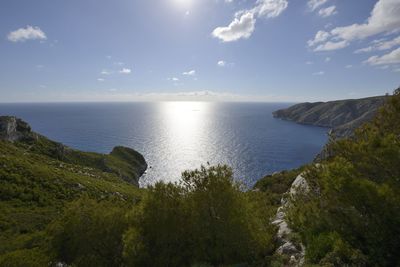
x,y
13,129
125,162
343,116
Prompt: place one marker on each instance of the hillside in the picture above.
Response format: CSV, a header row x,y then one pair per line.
x,y
127,163
63,207
347,210
343,116
344,211
38,177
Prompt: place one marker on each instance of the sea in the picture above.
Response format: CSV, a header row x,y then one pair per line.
x,y
179,136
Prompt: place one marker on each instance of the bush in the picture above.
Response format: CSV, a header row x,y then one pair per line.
x,y
206,219
89,233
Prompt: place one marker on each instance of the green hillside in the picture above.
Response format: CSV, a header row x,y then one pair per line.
x,y
38,177
75,208
59,205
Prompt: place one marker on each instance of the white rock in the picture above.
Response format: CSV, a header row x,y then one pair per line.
x,y
300,184
288,248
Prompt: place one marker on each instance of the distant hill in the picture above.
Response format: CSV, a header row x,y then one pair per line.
x,y
343,116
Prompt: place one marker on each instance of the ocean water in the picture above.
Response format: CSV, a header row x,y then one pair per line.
x,y
176,136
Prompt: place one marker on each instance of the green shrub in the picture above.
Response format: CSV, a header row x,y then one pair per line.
x,y
352,213
89,233
205,219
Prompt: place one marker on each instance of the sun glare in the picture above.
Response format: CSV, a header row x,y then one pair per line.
x,y
185,121
183,3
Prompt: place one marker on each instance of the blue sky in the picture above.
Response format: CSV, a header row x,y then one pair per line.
x,y
241,50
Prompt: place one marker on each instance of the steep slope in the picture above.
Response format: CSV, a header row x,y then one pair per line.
x,y
38,177
348,214
343,116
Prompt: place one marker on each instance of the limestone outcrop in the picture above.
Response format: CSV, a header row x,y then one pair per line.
x,y
13,129
288,247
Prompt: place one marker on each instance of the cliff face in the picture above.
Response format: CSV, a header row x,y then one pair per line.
x,y
343,116
13,129
124,162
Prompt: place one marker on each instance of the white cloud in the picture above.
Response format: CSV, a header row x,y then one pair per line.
x,y
105,72
221,63
189,73
392,57
243,24
388,44
309,62
364,50
329,46
396,70
25,34
327,12
174,79
380,45
327,59
319,73
239,28
348,66
320,37
328,25
100,80
125,71
269,8
384,18
314,4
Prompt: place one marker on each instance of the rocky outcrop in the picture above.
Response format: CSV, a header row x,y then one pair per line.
x,y
13,129
295,252
343,116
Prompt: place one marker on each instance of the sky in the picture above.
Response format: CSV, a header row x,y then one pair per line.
x,y
222,50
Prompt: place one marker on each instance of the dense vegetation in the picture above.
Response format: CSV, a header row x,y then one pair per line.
x,y
351,216
206,220
71,209
34,189
52,211
126,163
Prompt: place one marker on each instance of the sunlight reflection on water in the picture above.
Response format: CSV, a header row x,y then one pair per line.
x,y
176,136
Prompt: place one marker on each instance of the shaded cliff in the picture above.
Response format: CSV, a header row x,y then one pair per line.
x,y
343,116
